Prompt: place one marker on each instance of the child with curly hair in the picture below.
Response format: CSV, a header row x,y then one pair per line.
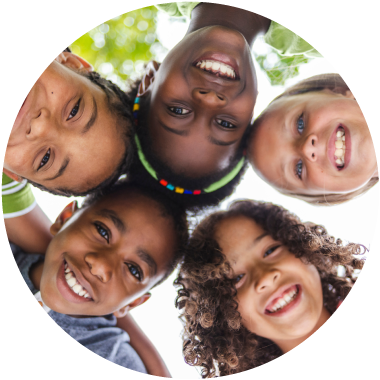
x,y
312,143
255,283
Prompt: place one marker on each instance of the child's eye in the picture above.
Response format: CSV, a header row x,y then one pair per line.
x,y
300,124
74,111
271,250
135,271
45,159
225,124
299,166
238,278
103,232
179,111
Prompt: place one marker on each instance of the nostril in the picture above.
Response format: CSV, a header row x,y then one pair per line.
x,y
312,142
203,92
313,155
220,98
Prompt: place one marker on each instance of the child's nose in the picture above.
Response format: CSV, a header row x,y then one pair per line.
x,y
99,266
40,125
310,148
209,98
267,279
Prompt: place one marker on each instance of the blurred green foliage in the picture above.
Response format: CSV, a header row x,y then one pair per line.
x,y
279,68
119,48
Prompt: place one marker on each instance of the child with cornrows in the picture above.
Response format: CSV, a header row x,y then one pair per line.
x,y
255,283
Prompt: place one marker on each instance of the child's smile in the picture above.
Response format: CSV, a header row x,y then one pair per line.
x,y
314,143
202,101
107,255
279,297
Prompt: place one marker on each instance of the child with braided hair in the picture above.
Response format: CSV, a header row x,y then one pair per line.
x,y
255,283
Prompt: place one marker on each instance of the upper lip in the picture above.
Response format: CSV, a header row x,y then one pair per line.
x,y
81,279
277,294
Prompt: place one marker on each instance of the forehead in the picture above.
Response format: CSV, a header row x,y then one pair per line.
x,y
236,233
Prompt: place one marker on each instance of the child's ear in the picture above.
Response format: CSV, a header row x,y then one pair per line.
x,y
74,61
137,302
13,176
65,215
349,95
148,78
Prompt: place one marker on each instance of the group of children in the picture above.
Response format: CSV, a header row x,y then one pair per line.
x,y
254,281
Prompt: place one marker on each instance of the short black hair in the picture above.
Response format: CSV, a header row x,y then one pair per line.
x,y
169,209
193,203
120,104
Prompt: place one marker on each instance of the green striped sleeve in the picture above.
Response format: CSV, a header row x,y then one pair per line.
x,y
17,197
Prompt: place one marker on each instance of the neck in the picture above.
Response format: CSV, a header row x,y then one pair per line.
x,y
287,345
249,24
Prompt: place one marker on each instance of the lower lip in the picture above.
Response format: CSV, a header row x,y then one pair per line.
x,y
67,293
289,306
220,57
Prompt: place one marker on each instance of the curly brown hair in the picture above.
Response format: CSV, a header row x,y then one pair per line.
x,y
214,337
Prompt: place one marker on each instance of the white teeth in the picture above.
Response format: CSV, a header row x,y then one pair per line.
x,y
339,144
339,161
217,68
343,138
74,284
339,153
340,147
285,300
339,134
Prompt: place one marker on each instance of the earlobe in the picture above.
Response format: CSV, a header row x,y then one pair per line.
x,y
137,302
349,95
65,215
13,176
74,61
148,78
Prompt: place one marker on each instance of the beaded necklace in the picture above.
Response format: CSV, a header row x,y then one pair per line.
x,y
180,190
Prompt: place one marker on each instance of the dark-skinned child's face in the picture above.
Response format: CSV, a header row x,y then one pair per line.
x,y
107,255
63,124
198,114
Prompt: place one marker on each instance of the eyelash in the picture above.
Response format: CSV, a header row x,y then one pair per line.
x,y
76,108
138,274
219,121
223,123
299,165
271,250
45,161
103,232
176,109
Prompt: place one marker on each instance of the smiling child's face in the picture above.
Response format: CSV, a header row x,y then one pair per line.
x,y
198,114
63,124
115,250
299,145
280,298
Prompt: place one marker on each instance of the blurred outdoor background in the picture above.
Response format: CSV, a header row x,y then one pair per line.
x,y
118,49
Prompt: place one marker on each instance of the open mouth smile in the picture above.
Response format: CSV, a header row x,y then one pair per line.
x,y
74,284
217,68
284,302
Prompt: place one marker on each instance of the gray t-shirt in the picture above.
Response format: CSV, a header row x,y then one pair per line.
x,y
98,334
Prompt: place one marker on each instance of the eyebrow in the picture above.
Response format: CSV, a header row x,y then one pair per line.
x,y
147,258
114,218
259,238
93,117
61,169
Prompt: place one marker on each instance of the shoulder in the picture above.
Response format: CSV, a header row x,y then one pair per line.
x,y
101,336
